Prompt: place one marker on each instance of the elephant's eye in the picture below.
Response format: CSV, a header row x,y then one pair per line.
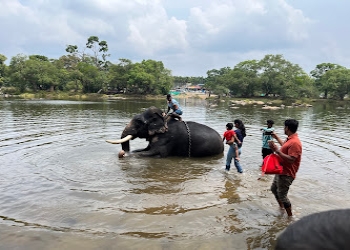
x,y
141,122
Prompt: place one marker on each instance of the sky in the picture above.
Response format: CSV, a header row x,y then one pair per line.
x,y
189,36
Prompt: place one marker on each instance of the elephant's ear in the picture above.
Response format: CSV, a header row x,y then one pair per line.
x,y
157,124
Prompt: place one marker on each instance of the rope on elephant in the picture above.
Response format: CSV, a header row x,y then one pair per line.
x,y
189,138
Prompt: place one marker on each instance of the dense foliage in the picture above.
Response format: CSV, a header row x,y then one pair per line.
x,y
88,71
275,76
84,71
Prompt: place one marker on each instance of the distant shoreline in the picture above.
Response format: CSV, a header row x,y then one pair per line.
x,y
44,95
193,94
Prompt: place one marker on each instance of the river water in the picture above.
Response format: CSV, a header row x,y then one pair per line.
x,y
63,187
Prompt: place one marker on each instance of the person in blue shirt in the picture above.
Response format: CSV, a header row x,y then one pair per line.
x,y
266,137
175,106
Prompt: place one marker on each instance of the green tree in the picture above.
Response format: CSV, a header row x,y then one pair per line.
x,y
16,71
62,75
304,86
149,77
68,62
3,70
278,76
98,59
39,58
69,74
40,73
75,83
338,82
244,79
321,82
162,76
140,82
119,74
89,77
218,81
99,51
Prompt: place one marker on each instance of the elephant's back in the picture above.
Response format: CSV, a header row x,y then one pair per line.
x,y
204,140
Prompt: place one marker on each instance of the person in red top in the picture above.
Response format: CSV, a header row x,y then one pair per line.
x,y
290,157
230,137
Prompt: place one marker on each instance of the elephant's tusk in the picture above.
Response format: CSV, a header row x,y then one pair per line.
x,y
126,138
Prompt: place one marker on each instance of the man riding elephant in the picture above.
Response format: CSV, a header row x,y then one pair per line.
x,y
175,106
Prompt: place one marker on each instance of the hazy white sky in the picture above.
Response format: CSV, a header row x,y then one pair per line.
x,y
189,36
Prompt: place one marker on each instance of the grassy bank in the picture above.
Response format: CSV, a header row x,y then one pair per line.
x,y
61,96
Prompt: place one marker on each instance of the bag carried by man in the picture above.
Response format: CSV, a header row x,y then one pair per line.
x,y
271,165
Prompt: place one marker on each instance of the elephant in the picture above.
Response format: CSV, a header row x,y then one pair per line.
x,y
170,137
323,230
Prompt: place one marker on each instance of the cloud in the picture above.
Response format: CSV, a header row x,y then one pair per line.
x,y
152,32
247,25
190,37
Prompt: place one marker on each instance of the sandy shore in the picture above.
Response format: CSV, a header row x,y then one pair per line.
x,y
199,95
192,94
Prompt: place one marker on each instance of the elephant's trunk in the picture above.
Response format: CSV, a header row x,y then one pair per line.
x,y
126,146
126,143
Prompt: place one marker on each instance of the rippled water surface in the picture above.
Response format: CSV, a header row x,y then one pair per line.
x,y
63,187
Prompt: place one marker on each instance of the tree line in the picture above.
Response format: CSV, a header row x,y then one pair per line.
x,y
275,76
88,70
85,70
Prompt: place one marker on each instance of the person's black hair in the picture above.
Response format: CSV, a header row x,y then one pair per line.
x,y
324,230
292,124
168,95
229,125
270,122
240,126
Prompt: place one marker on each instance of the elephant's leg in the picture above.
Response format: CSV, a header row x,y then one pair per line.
x,y
144,149
157,146
149,153
155,152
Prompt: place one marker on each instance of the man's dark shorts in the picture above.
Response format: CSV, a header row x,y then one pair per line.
x,y
265,152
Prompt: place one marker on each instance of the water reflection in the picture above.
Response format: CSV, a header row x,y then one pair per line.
x,y
59,175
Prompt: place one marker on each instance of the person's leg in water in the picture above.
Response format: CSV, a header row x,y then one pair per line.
x,y
229,156
237,164
280,188
274,191
283,187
